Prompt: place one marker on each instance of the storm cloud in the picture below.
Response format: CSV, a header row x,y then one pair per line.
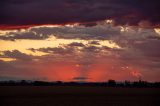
x,y
38,12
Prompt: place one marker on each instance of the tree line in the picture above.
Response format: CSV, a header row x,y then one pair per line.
x,y
109,83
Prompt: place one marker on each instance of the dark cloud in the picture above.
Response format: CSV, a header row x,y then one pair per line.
x,y
23,35
92,49
95,42
71,49
76,44
55,50
17,55
31,12
100,31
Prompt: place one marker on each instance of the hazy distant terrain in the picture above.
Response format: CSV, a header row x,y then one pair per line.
x,y
78,96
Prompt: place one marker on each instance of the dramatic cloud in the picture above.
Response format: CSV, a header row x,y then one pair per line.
x,y
80,40
100,31
35,12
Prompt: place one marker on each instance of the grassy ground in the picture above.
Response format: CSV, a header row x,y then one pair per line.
x,y
78,96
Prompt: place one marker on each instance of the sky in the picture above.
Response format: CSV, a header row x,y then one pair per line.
x,y
80,40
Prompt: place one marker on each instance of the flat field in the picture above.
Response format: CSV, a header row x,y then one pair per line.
x,y
78,96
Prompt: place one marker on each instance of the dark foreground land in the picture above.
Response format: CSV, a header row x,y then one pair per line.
x,y
78,96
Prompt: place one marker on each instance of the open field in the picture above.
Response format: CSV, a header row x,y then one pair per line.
x,y
78,96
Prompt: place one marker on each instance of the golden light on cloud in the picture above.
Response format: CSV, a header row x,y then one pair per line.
x,y
124,29
109,21
109,43
4,32
72,25
157,30
7,59
47,26
24,45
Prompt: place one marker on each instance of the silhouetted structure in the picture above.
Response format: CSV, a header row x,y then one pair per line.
x,y
111,83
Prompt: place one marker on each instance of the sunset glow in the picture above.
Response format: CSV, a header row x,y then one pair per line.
x,y
79,41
